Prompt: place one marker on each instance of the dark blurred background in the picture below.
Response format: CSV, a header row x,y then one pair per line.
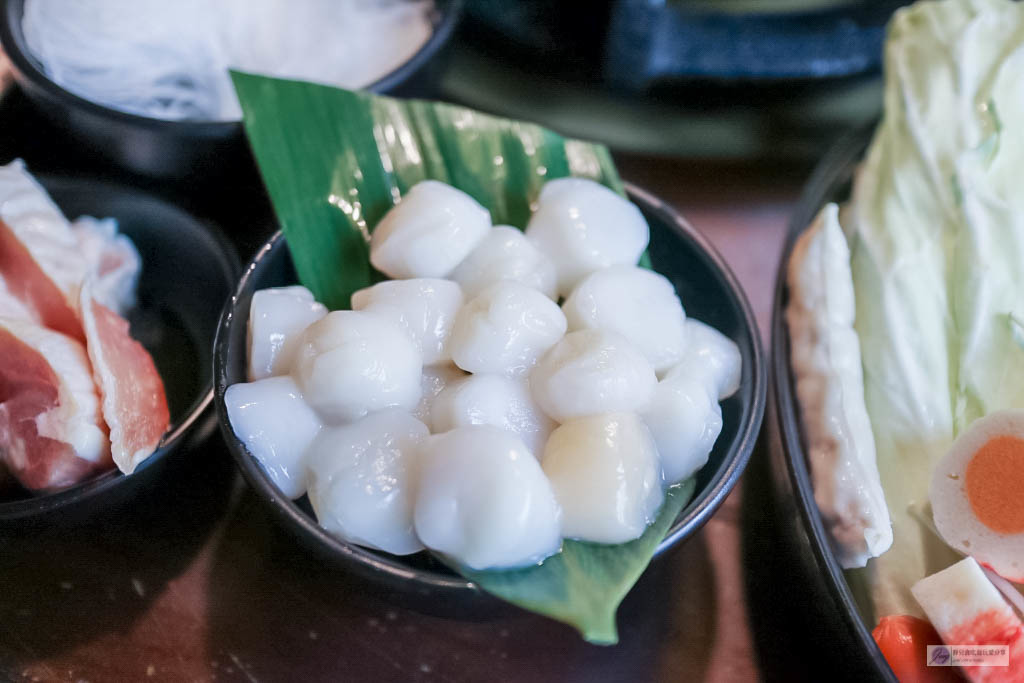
x,y
710,79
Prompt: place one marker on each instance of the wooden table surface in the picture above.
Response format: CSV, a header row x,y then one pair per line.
x,y
194,582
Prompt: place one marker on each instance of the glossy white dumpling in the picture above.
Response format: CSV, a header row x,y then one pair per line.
x,y
591,372
506,254
685,419
606,476
424,307
435,378
277,318
429,232
362,480
496,400
484,501
583,226
276,425
351,363
712,356
504,329
637,303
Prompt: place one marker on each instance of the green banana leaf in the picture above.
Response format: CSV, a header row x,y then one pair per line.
x,y
584,584
335,161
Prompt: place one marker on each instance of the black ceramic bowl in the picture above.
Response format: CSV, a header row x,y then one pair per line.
x,y
177,149
710,293
188,271
826,599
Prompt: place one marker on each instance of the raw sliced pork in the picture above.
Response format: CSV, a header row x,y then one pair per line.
x,y
51,433
134,403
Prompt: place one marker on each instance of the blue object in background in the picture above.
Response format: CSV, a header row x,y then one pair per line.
x,y
651,41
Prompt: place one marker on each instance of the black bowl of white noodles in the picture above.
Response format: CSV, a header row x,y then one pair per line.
x,y
201,145
709,291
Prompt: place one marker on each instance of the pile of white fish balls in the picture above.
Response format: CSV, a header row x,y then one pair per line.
x,y
460,408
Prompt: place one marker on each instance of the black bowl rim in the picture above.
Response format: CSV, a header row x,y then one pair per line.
x,y
32,77
219,244
371,565
835,168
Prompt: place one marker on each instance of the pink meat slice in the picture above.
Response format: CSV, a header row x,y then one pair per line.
x,y
51,432
27,282
134,403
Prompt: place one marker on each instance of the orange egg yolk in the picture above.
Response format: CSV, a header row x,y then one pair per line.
x,y
995,484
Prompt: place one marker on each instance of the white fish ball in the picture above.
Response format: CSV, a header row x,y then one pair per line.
x,y
637,303
433,381
505,329
590,372
484,501
424,307
276,425
606,476
277,318
685,419
362,480
506,254
583,226
352,363
503,402
429,232
712,356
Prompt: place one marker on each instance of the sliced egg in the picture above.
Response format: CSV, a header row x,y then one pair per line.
x,y
977,493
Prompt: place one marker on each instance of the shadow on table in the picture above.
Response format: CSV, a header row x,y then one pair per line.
x,y
278,612
785,640
61,587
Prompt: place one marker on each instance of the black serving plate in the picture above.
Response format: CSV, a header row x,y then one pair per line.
x,y
709,292
828,612
188,271
181,149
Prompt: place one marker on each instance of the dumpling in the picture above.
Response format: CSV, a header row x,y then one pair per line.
x,y
424,307
712,356
484,501
505,329
590,372
362,480
277,318
685,419
637,303
503,402
433,381
583,226
351,363
277,426
506,254
429,232
606,476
